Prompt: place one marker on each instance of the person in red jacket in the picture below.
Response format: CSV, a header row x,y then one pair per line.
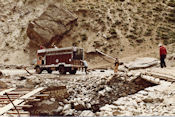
x,y
163,54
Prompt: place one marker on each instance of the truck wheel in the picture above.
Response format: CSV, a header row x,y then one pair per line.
x,y
73,71
38,70
62,70
49,71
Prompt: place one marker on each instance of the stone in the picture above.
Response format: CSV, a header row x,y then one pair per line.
x,y
60,103
143,92
101,93
68,112
87,113
67,107
108,89
51,25
1,74
48,102
88,105
122,68
116,113
78,106
59,109
137,74
148,100
52,99
129,74
108,107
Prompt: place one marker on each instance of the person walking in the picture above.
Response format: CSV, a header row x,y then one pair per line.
x,y
116,65
85,66
163,53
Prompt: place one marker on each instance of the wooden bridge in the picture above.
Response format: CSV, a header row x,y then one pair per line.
x,y
12,101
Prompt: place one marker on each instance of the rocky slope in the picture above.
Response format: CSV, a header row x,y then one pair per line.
x,y
124,28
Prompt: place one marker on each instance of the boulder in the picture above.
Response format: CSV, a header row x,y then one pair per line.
x,y
51,26
142,63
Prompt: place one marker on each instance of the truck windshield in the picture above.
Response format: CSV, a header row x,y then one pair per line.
x,y
78,54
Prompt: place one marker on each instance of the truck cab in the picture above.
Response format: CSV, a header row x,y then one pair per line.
x,y
60,59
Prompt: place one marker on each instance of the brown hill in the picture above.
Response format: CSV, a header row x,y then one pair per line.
x,y
123,28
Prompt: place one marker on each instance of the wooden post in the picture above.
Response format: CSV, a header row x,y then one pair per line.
x,y
105,54
13,104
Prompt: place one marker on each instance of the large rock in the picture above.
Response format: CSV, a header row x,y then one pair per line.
x,y
141,63
51,26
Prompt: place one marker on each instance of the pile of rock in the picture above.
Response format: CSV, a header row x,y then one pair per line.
x,y
150,101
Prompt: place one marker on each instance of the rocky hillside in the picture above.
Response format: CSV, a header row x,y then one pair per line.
x,y
124,28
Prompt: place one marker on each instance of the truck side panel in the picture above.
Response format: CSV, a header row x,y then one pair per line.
x,y
55,59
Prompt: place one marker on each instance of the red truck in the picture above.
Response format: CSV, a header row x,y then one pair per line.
x,y
60,59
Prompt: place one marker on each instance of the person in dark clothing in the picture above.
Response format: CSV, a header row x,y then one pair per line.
x,y
163,53
116,65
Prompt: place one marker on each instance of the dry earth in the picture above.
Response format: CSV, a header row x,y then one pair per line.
x,y
100,93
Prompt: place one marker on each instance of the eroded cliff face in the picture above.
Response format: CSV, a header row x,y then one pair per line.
x,y
118,28
15,15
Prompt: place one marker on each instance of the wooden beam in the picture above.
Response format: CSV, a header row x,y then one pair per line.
x,y
6,91
1,100
20,100
4,98
161,76
15,92
25,106
20,112
33,100
42,95
151,79
20,106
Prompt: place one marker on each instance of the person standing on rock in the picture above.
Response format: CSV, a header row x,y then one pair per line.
x,y
116,65
163,54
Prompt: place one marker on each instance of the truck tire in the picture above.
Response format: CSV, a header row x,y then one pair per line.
x,y
49,70
62,70
38,70
73,71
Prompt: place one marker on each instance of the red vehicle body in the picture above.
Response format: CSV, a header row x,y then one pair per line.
x,y
60,59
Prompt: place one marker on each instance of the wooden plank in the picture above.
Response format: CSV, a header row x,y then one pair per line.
x,y
21,92
4,98
6,91
20,100
151,79
25,106
42,95
20,106
4,102
33,100
161,76
20,112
